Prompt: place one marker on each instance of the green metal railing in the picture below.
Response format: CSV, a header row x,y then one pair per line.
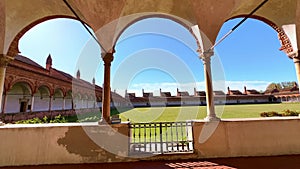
x,y
161,137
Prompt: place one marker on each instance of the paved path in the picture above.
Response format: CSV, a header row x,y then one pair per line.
x,y
278,162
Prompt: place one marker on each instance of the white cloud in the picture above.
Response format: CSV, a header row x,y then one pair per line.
x,y
172,87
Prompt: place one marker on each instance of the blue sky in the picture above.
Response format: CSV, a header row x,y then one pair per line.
x,y
159,53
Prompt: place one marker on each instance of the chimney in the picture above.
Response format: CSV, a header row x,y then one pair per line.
x,y
245,90
78,74
160,91
94,81
195,92
49,62
143,91
178,94
228,90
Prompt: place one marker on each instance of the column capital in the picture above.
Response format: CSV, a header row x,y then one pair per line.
x,y
206,54
107,57
5,59
295,56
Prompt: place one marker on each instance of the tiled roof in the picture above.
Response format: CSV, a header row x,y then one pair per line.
x,y
235,92
63,73
252,92
27,61
165,94
200,93
147,94
185,93
219,92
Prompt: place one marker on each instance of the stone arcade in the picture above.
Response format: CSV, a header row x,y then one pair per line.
x,y
109,18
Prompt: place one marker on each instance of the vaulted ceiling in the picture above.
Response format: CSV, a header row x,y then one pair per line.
x,y
109,18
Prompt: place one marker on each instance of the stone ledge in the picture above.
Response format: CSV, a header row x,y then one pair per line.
x,y
85,124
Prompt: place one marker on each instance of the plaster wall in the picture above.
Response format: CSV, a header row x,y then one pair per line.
x,y
248,137
79,143
60,144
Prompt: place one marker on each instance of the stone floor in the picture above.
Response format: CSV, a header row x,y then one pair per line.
x,y
277,162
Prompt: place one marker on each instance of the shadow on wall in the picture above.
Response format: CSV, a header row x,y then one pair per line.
x,y
82,141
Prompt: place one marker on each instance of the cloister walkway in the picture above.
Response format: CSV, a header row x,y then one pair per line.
x,y
276,162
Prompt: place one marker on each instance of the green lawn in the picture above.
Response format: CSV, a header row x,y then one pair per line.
x,y
172,114
156,114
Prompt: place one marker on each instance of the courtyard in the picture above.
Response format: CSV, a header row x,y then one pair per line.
x,y
149,45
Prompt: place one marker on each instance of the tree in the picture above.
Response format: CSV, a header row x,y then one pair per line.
x,y
288,84
273,86
281,85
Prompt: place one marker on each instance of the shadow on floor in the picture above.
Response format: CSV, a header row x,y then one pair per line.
x,y
276,162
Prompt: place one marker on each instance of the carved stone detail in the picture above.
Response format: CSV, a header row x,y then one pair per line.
x,y
4,60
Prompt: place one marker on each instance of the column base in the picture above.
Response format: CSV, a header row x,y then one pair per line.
x,y
103,122
209,118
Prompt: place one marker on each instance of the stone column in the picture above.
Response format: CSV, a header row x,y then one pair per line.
x,y
107,58
72,103
4,60
64,103
4,104
86,103
32,103
296,60
211,115
50,103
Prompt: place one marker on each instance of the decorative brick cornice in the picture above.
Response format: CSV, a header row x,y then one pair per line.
x,y
286,45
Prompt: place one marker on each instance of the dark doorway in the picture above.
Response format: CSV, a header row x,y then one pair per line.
x,y
23,106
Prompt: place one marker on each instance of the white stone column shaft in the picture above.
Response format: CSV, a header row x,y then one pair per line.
x,y
211,114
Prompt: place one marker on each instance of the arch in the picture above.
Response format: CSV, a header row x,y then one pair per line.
x,y
14,45
58,93
20,88
69,94
42,98
77,96
68,100
84,101
58,100
284,40
99,99
43,91
283,98
294,98
180,21
22,80
77,100
91,97
47,85
84,96
18,98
